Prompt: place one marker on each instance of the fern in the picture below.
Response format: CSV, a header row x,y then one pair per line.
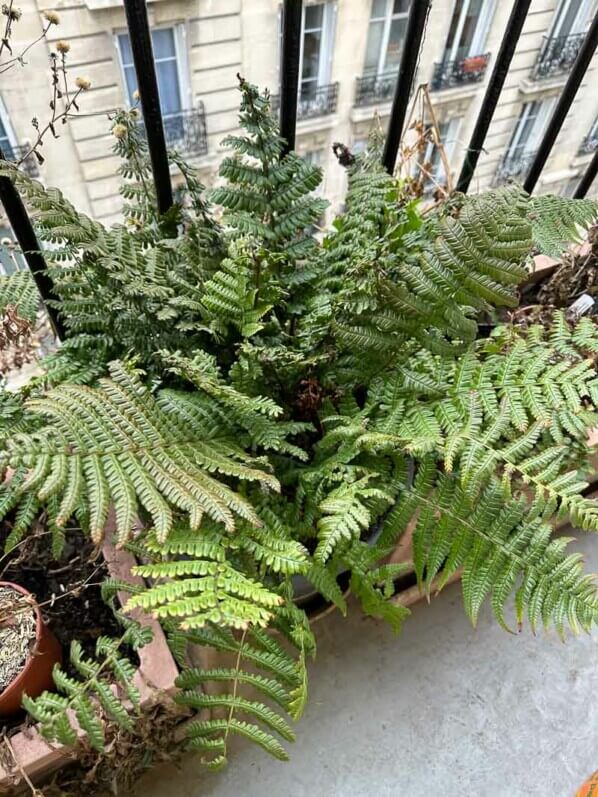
x,y
19,291
231,712
89,695
116,444
558,222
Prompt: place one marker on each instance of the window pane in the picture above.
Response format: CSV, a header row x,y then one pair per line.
x,y
469,28
374,46
313,16
378,9
168,86
400,7
163,41
125,49
311,55
395,43
567,14
131,81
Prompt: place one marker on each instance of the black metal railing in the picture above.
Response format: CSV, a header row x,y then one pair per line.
x,y
557,54
448,74
371,89
589,144
319,101
186,131
15,154
514,166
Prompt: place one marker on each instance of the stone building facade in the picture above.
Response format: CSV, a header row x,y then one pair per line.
x,y
349,58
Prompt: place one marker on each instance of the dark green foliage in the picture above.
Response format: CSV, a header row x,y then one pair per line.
x,y
278,408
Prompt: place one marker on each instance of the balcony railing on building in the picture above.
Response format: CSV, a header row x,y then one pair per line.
x,y
557,54
186,131
589,144
514,167
313,102
371,89
448,74
17,153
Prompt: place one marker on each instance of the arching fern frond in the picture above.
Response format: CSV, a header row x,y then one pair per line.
x,y
557,222
115,445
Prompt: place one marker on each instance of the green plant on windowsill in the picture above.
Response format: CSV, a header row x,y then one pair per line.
x,y
262,400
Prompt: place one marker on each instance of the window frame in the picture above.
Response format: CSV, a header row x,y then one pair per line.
x,y
326,44
388,18
579,22
478,41
182,64
7,125
544,110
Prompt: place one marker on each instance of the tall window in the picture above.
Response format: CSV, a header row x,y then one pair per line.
x,y
530,126
571,17
448,136
7,139
316,48
469,28
168,69
386,36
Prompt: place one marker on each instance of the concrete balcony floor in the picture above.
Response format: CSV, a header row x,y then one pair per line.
x,y
441,709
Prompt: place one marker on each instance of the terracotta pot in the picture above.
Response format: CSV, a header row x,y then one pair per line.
x,y
36,675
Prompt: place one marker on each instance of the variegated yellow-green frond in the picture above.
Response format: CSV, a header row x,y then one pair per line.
x,y
197,584
115,445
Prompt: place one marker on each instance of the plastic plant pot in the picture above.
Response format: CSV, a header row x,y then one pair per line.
x,y
36,674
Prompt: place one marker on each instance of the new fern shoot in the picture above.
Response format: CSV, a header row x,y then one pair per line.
x,y
263,405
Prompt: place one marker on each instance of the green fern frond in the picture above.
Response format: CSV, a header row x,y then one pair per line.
x,y
557,222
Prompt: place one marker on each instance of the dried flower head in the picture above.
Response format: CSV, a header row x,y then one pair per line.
x,y
134,113
63,47
52,17
119,131
6,242
15,14
83,83
136,94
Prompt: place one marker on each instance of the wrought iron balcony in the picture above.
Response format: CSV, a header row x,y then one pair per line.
x,y
14,154
589,144
448,74
557,54
371,89
319,101
514,166
186,131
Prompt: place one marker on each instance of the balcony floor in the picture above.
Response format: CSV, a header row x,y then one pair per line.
x,y
440,709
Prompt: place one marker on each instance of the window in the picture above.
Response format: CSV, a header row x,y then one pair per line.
x,y
386,36
316,48
469,28
590,142
571,17
530,126
10,260
171,83
7,136
448,136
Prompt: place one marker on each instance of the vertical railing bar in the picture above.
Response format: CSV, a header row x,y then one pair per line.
x,y
147,84
289,70
578,70
588,178
495,84
26,238
416,23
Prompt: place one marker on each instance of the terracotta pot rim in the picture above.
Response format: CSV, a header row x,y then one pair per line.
x,y
39,629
